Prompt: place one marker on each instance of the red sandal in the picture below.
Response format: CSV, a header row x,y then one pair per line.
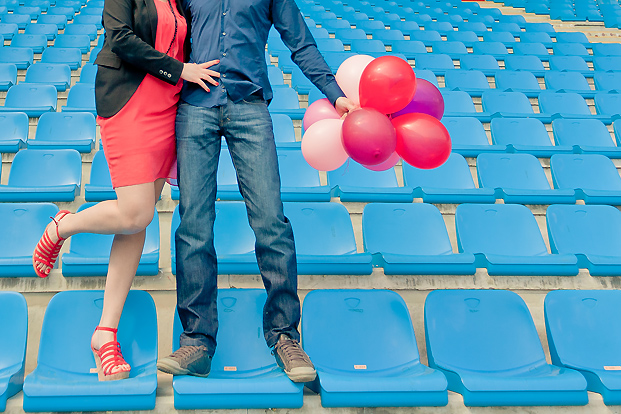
x,y
108,357
46,251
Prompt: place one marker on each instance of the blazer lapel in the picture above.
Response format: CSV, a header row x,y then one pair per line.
x,y
152,15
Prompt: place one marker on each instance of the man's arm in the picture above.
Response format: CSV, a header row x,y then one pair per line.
x,y
289,22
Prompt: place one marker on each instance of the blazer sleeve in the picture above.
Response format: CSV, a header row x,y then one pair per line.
x,y
117,20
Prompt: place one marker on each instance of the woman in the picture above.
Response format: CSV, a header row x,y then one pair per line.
x,y
139,78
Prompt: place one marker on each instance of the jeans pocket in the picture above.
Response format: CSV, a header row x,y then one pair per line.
x,y
254,100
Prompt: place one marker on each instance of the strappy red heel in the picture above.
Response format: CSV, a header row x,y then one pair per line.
x,y
46,251
108,357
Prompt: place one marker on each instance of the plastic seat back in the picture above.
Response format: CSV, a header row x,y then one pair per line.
x,y
516,81
465,131
581,132
519,131
58,126
509,102
566,80
563,103
43,168
352,174
511,171
608,104
584,171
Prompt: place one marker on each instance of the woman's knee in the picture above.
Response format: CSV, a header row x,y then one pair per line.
x,y
137,219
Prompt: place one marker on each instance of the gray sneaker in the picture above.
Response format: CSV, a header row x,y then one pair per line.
x,y
293,360
187,360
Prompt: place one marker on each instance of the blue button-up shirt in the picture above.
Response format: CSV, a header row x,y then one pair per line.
x,y
235,31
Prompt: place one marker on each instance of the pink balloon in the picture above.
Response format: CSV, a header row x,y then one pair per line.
x,y
368,136
318,110
387,84
422,140
427,100
349,73
322,146
386,165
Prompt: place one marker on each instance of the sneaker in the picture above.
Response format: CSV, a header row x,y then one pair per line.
x,y
293,360
187,360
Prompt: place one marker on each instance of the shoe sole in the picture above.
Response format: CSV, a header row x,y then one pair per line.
x,y
172,367
302,374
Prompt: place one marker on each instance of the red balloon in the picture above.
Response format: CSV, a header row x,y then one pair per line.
x,y
368,136
422,140
387,84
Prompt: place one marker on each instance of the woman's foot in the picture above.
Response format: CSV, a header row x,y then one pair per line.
x,y
108,358
48,248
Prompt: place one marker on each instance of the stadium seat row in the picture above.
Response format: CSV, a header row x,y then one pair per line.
x,y
482,344
402,238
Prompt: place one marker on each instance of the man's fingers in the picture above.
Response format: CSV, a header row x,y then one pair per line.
x,y
212,73
205,65
202,84
210,80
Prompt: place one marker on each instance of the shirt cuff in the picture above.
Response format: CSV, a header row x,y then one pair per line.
x,y
333,92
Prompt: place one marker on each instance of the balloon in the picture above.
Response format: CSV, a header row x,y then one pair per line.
x,y
386,165
322,146
387,84
427,100
368,136
422,140
348,75
318,110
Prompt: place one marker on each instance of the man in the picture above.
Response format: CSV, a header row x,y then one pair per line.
x,y
236,32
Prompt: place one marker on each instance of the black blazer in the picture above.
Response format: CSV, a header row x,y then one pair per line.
x,y
128,53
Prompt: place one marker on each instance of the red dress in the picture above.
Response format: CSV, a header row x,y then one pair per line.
x,y
139,141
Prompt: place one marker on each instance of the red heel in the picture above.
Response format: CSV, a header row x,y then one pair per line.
x,y
46,251
109,356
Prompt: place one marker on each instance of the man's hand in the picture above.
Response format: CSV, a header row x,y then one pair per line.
x,y
344,106
199,73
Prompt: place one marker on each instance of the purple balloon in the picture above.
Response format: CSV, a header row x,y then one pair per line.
x,y
427,100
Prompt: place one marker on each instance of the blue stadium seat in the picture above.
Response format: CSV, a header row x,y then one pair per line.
x,y
62,382
527,135
486,343
407,239
332,25
81,42
468,38
484,63
405,27
14,135
33,99
369,26
473,82
452,48
285,101
507,39
441,27
244,374
505,239
518,81
38,175
567,105
23,225
570,64
36,42
606,49
608,105
372,47
48,30
89,254
10,5
68,12
59,20
318,32
284,132
572,49
531,49
585,136
55,74
374,362
13,344
233,238
21,20
607,63
324,240
57,130
388,37
300,82
536,37
593,177
583,329
78,29
67,56
32,11
449,183
478,27
530,64
519,20
299,181
427,75
438,63
571,37
97,11
519,178
333,59
496,49
88,19
92,56
8,76
510,27
99,187
540,27
329,45
21,57
81,98
346,35
459,104
607,82
568,82
88,73
509,105
590,233
426,36
353,182
468,136
8,30
275,77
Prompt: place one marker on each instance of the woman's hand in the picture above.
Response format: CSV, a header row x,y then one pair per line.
x,y
199,72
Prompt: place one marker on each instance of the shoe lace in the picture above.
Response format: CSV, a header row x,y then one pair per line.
x,y
291,349
188,351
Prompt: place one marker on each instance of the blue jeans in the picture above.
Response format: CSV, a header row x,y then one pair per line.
x,y
247,127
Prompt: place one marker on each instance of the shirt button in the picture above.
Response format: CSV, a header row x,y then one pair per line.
x,y
223,53
224,75
224,13
223,33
